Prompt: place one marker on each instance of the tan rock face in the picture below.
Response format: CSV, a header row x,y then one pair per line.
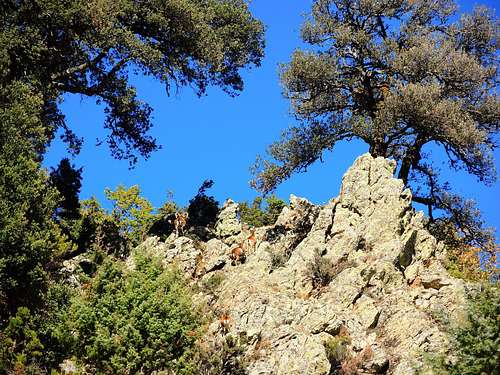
x,y
381,281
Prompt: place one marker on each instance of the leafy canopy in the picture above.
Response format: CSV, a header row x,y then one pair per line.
x,y
90,47
399,75
134,320
133,213
203,209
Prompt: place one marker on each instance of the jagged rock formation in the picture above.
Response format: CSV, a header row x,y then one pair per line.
x,y
360,275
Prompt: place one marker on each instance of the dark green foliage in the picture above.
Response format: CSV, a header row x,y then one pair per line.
x,y
97,230
163,224
29,237
52,327
203,209
88,47
68,182
476,342
134,320
49,49
20,347
36,342
321,270
255,216
401,76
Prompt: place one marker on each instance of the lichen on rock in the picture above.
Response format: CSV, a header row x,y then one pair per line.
x,y
386,283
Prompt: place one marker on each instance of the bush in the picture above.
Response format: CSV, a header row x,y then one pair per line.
x,y
222,358
20,347
36,342
337,352
211,284
476,343
278,258
255,216
322,270
98,230
163,224
465,264
342,361
132,321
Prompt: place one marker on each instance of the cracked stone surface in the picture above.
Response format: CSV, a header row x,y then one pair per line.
x,y
386,283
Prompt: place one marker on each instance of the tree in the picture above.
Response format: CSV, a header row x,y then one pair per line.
x,y
401,76
164,222
90,47
68,181
30,240
132,213
50,48
203,209
132,321
475,341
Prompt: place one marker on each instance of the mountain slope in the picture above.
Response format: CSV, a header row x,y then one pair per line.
x,y
354,286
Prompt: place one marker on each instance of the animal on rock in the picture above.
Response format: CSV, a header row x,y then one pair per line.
x,y
251,239
225,322
180,222
238,254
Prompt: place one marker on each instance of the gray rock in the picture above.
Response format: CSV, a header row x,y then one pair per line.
x,y
228,223
386,279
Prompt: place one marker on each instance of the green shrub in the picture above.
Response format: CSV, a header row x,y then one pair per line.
x,y
257,216
278,259
222,358
134,320
36,342
20,346
322,270
476,342
163,224
211,284
98,230
337,352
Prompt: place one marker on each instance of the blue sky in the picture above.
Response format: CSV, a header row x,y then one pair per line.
x,y
217,137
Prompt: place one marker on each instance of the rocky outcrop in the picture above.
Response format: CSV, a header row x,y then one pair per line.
x,y
354,284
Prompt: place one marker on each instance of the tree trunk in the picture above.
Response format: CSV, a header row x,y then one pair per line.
x,y
411,159
378,149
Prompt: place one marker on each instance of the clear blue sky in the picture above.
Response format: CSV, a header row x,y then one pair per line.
x,y
217,137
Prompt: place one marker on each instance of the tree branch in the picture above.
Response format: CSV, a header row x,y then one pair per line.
x,y
79,68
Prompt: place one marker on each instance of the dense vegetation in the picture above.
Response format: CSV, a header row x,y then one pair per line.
x,y
125,312
123,320
476,341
